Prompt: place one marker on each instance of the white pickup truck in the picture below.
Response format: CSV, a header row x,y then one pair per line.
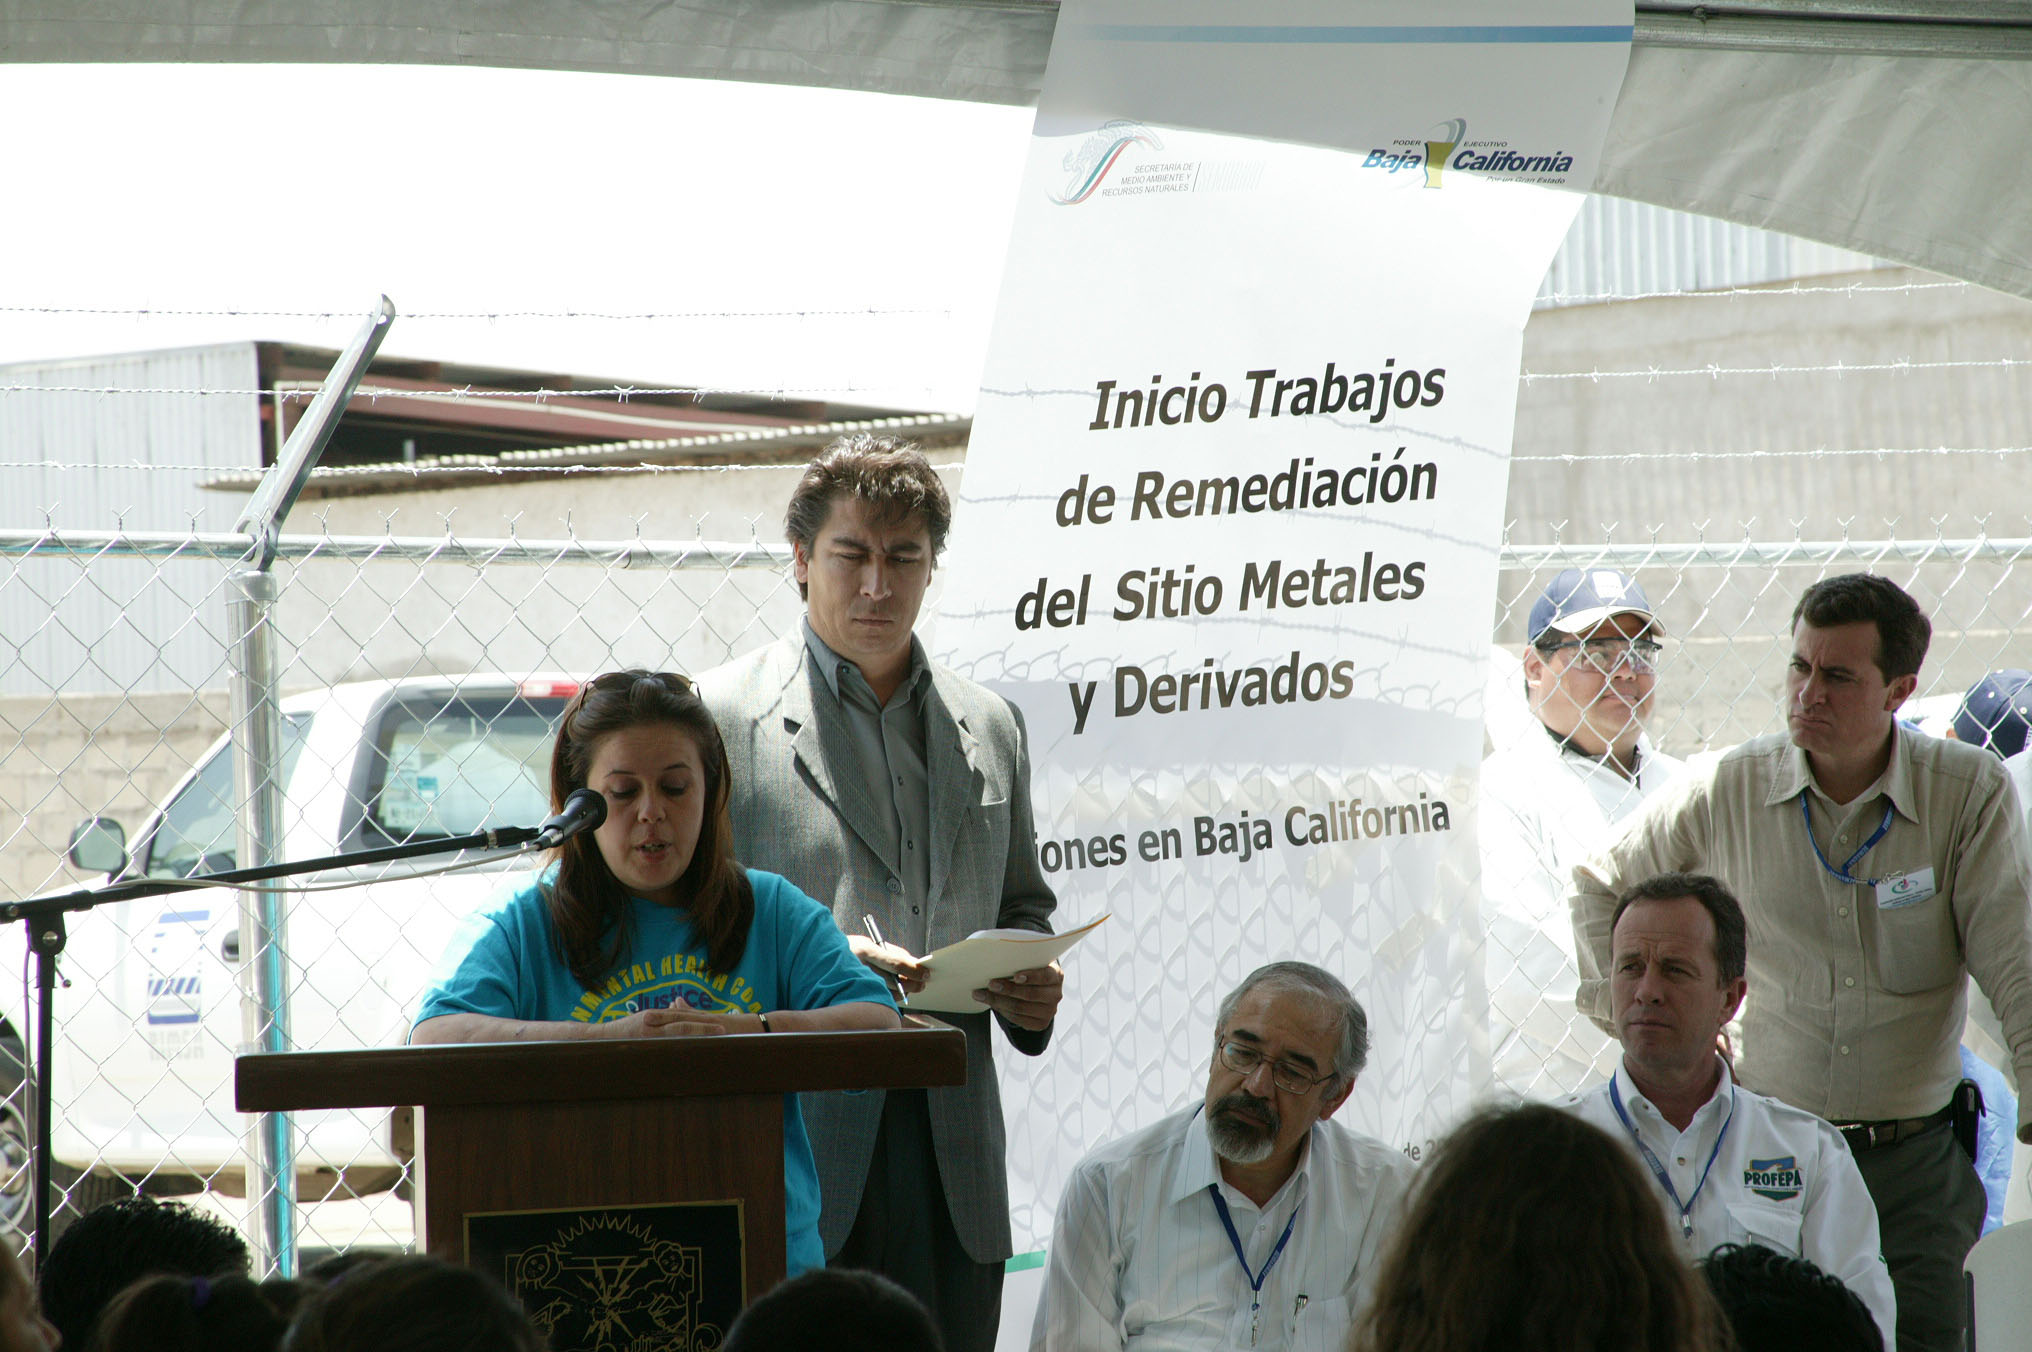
x,y
149,1025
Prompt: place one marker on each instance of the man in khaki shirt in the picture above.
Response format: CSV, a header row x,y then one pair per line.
x,y
1878,867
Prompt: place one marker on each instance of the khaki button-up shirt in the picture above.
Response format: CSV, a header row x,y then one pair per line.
x,y
1857,994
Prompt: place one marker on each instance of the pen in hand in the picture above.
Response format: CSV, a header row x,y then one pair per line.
x,y
875,932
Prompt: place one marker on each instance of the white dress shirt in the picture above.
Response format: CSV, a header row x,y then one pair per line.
x,y
1545,810
1779,1177
1140,1259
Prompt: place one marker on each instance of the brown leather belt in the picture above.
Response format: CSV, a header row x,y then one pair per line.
x,y
1863,1136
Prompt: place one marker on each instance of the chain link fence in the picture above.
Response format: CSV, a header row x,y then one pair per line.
x,y
417,679
1727,447
418,682
1725,616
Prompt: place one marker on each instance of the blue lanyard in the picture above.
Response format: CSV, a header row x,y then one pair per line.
x,y
1256,1279
1658,1169
1842,874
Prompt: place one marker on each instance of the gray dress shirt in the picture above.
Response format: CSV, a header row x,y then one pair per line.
x,y
889,753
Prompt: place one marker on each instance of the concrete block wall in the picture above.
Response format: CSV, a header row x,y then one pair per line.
x,y
1777,457
64,758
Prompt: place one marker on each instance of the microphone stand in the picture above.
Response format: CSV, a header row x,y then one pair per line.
x,y
46,935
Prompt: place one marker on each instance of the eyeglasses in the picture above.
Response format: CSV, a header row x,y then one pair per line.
x,y
1242,1059
1608,655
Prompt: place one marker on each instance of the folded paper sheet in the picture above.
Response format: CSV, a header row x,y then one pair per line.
x,y
958,970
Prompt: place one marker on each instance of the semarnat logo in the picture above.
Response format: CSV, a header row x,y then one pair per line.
x,y
1088,166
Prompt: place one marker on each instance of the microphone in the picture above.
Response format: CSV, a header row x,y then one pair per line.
x,y
583,810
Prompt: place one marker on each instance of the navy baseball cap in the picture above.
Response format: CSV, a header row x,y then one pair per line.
x,y
1997,712
1581,598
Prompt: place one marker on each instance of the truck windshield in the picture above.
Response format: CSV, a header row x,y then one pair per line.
x,y
452,766
197,833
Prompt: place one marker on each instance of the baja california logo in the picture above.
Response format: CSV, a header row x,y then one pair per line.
x,y
1439,143
1778,1179
1445,146
1098,154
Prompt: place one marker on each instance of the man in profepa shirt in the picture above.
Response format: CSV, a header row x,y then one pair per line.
x,y
1247,1220
1879,868
1729,1166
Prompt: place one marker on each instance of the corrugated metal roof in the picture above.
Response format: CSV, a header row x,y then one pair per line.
x,y
770,445
78,460
1620,250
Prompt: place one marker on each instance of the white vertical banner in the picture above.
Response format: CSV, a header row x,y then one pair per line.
x,y
1228,528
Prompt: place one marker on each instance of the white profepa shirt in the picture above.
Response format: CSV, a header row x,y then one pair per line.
x,y
1544,810
1776,1175
1140,1259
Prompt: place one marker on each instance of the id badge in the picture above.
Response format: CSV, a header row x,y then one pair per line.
x,y
1905,889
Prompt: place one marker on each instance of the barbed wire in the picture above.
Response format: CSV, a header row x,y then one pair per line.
x,y
620,393
87,546
518,468
1822,453
452,466
1838,369
1752,291
629,316
876,311
623,393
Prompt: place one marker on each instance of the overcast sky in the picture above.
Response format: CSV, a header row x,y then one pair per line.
x,y
453,190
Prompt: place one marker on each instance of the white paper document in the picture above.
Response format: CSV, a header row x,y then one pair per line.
x,y
958,970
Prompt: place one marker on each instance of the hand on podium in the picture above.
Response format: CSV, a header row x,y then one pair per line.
x,y
681,1021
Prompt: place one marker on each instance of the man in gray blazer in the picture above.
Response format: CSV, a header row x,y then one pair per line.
x,y
892,789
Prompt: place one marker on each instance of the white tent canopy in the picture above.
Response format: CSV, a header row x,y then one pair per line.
x,y
1889,128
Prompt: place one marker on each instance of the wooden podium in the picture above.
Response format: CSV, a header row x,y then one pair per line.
x,y
612,1162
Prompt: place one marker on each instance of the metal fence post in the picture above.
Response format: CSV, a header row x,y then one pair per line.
x,y
257,776
257,779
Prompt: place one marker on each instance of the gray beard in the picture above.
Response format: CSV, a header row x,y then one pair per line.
x,y
1238,1139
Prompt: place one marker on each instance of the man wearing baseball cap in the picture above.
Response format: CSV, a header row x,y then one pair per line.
x,y
1589,676
1997,712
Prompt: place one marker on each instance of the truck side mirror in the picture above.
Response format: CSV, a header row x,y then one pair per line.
x,y
98,845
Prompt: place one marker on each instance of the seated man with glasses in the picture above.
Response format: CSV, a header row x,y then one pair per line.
x,y
1246,1220
1590,674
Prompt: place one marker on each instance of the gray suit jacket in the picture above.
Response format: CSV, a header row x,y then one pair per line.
x,y
797,813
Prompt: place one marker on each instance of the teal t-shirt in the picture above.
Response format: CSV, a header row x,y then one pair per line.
x,y
504,962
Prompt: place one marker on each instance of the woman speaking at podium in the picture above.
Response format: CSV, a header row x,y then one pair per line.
x,y
646,926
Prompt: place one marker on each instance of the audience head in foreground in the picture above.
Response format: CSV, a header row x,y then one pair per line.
x,y
1531,1231
1778,1304
839,1309
111,1247
191,1314
414,1304
22,1327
